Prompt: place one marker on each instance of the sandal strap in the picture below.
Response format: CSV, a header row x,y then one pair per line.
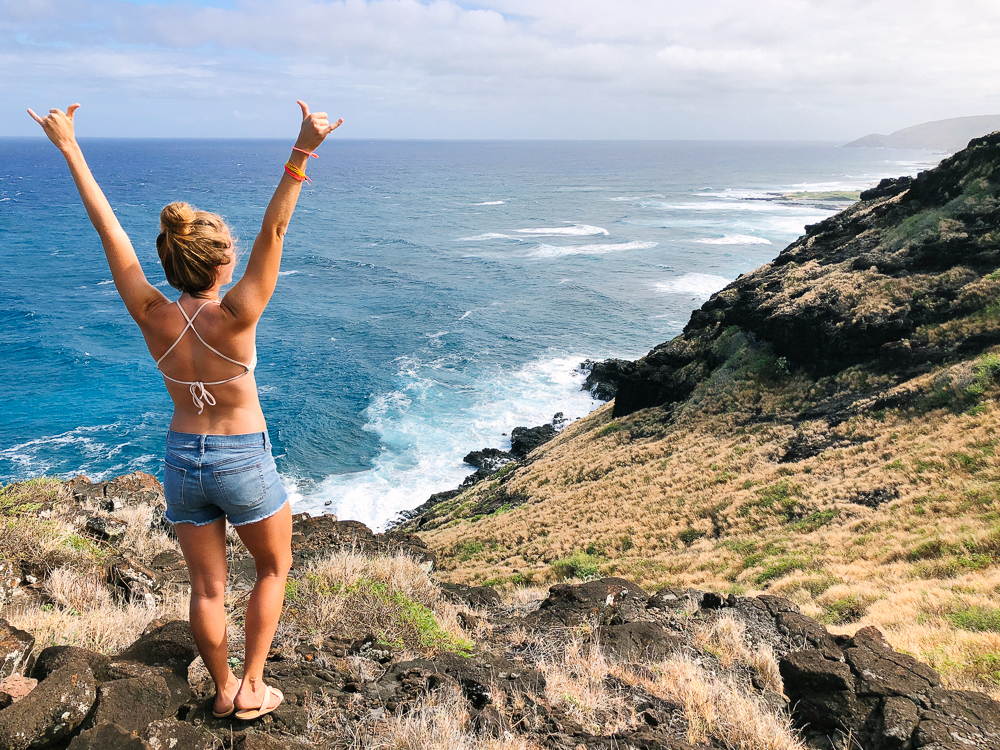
x,y
267,697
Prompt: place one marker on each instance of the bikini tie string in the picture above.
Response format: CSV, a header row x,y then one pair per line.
x,y
201,396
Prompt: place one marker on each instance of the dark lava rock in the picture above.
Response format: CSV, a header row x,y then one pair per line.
x,y
170,645
490,459
108,737
473,596
936,231
170,734
603,376
606,601
885,700
51,711
57,657
132,704
632,641
317,536
132,580
523,440
15,645
874,497
106,529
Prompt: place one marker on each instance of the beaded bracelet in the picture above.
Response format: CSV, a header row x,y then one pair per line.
x,y
295,172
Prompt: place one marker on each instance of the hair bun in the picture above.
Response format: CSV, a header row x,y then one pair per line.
x,y
177,218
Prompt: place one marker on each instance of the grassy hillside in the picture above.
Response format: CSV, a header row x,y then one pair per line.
x,y
825,429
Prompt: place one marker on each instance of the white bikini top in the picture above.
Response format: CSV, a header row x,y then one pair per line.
x,y
200,394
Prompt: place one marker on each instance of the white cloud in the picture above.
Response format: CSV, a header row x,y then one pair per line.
x,y
514,68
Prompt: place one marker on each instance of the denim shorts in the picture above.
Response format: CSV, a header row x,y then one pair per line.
x,y
206,477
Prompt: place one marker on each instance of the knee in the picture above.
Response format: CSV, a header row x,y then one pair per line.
x,y
208,589
274,567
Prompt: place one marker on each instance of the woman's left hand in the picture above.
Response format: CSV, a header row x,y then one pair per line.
x,y
315,128
58,126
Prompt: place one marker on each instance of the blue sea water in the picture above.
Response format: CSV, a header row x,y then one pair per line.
x,y
433,294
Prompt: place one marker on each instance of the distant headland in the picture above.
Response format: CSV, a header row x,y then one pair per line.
x,y
941,135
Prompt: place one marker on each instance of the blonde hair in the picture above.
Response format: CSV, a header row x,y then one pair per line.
x,y
192,245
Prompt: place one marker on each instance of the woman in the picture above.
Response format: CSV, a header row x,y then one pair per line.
x,y
218,462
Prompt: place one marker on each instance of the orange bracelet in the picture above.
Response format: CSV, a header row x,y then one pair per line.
x,y
295,172
303,151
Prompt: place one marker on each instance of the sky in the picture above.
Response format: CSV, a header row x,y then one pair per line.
x,y
603,69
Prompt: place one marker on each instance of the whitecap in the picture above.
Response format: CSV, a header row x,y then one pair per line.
x,y
736,239
489,203
102,283
576,230
467,314
697,284
425,428
488,236
286,273
553,251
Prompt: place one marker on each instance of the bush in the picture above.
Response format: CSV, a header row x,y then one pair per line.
x,y
977,619
850,608
579,565
690,536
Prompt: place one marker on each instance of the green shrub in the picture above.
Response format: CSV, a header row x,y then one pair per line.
x,y
690,536
977,619
578,565
814,521
850,608
781,568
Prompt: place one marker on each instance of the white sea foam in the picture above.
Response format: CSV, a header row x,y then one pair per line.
x,y
81,450
108,281
577,230
736,239
467,314
488,236
635,197
489,203
553,251
425,428
696,284
286,273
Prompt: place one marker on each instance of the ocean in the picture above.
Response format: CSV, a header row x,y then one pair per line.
x,y
433,295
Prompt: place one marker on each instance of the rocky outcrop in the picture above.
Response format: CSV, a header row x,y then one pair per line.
x,y
861,688
899,282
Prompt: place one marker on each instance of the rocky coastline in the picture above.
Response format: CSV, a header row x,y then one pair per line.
x,y
836,691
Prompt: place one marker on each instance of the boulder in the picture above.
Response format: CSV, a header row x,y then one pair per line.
x,y
633,641
958,720
51,711
170,734
15,645
177,686
108,737
473,596
523,440
606,601
17,687
105,529
57,657
170,645
490,459
132,704
132,580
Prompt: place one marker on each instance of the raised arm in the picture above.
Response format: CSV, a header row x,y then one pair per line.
x,y
138,294
250,295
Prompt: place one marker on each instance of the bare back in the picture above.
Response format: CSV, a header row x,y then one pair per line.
x,y
236,410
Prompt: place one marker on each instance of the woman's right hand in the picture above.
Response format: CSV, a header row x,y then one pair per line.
x,y
315,128
58,126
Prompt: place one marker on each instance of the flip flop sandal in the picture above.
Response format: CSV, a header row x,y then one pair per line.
x,y
248,714
224,714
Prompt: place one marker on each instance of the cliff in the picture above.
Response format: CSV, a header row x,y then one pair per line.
x,y
824,429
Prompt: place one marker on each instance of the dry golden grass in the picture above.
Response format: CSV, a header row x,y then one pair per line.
x,y
439,722
705,501
714,706
103,625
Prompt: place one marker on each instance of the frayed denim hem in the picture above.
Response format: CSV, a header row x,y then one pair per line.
x,y
260,518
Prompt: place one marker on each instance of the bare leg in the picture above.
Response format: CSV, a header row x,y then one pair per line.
x,y
204,550
270,543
